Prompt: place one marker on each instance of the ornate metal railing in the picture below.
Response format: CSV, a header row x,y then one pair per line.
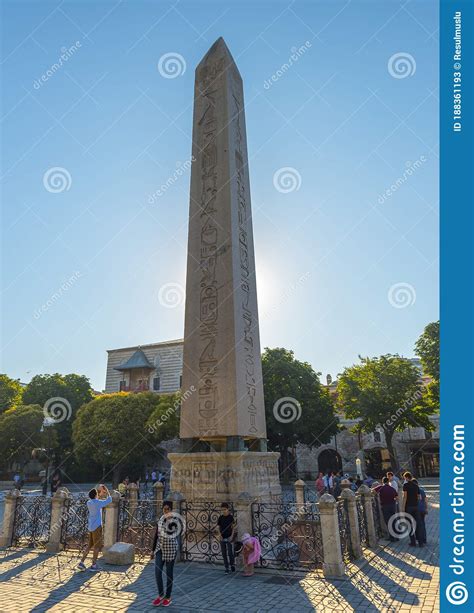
x,y
362,519
290,537
200,541
377,517
344,531
32,521
74,523
137,524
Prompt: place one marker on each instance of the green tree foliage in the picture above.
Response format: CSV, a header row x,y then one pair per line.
x,y
427,349
385,392
114,430
21,431
311,420
163,423
10,393
76,389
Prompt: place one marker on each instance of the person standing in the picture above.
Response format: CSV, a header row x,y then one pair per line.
x,y
393,481
226,525
411,496
251,551
320,484
422,512
56,482
98,499
328,482
154,477
388,502
165,550
336,480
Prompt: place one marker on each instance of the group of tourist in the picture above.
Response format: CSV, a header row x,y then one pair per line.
x,y
414,502
166,542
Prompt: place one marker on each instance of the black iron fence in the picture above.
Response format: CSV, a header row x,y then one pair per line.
x,y
362,520
200,538
137,524
377,517
32,521
290,536
74,523
345,531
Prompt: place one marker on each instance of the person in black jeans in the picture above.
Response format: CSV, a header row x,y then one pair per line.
x,y
411,497
388,501
165,549
226,525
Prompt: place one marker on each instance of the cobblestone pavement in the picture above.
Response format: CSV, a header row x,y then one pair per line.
x,y
396,578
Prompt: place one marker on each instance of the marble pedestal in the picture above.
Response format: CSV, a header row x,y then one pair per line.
x,y
223,476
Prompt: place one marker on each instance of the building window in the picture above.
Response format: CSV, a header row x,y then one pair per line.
x,y
156,384
123,385
180,381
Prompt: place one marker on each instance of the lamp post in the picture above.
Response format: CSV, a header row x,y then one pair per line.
x,y
47,423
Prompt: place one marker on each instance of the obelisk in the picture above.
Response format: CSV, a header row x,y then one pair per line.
x,y
222,419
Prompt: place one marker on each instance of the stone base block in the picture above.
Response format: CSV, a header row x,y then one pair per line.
x,y
120,554
223,476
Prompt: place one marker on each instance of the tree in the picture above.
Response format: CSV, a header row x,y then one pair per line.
x,y
10,392
113,431
427,349
385,392
74,389
163,423
298,408
21,431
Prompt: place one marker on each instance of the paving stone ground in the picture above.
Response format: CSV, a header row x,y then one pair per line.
x,y
396,578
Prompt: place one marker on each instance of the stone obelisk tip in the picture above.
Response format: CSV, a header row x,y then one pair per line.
x,y
218,50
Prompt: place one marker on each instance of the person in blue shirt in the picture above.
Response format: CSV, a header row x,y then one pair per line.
x,y
98,499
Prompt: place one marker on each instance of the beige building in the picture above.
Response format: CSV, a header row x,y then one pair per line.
x,y
158,367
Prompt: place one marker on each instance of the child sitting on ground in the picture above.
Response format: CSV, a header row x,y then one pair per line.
x,y
251,552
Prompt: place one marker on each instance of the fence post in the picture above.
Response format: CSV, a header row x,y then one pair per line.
x,y
333,565
58,502
243,510
158,491
299,493
111,520
11,499
366,494
349,498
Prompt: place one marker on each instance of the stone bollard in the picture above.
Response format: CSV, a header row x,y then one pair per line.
x,y
158,491
11,499
333,565
366,494
112,513
178,500
243,512
345,484
299,493
58,504
350,500
133,505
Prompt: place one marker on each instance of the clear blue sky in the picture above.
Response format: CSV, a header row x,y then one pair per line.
x,y
327,254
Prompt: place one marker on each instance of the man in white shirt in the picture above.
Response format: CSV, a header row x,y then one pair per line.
x,y
98,499
393,481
